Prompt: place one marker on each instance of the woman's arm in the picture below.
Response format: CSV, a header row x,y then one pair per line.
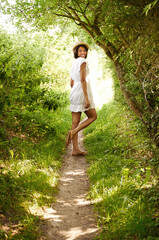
x,y
71,83
84,83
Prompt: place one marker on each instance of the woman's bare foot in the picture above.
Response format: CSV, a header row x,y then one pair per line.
x,y
78,153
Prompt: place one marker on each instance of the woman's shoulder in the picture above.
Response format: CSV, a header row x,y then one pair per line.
x,y
82,59
78,61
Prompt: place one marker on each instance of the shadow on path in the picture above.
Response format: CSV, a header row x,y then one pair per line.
x,y
71,217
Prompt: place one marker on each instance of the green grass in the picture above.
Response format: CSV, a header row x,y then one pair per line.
x,y
123,175
28,179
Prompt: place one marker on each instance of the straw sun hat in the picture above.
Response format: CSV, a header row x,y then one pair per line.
x,y
80,43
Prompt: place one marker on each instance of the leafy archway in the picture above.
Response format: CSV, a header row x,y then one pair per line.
x,y
127,35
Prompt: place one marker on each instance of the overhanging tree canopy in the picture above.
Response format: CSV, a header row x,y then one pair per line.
x,y
127,36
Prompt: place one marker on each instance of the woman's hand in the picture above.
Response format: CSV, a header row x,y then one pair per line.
x,y
87,103
71,82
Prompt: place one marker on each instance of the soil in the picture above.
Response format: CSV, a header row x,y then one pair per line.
x,y
71,216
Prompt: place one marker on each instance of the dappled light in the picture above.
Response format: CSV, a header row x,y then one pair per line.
x,y
120,186
70,216
112,192
75,233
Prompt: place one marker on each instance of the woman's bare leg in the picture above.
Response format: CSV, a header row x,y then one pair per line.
x,y
75,122
76,116
76,127
92,116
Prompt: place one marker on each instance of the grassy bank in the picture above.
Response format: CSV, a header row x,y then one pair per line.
x,y
123,173
28,178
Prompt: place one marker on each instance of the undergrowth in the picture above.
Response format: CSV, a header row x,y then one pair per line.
x,y
28,177
123,174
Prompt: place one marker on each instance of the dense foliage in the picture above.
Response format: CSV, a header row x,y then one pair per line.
x,y
33,108
34,118
26,91
128,33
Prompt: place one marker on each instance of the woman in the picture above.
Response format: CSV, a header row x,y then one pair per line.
x,y
81,98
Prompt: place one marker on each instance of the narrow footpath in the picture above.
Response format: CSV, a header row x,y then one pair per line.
x,y
71,216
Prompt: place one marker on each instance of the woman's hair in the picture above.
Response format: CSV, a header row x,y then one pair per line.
x,y
76,50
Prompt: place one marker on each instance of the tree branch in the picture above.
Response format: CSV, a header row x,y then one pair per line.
x,y
67,16
83,13
138,66
86,6
129,97
146,100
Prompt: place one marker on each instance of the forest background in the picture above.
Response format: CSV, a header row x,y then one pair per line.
x,y
35,61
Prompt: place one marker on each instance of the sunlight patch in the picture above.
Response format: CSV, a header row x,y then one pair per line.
x,y
76,232
102,84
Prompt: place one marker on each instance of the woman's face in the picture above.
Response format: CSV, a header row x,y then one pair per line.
x,y
82,52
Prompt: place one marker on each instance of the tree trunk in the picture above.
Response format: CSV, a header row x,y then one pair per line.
x,y
129,97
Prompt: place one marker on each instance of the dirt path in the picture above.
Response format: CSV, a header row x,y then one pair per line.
x,y
71,217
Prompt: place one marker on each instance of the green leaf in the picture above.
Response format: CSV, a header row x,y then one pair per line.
x,y
148,175
9,72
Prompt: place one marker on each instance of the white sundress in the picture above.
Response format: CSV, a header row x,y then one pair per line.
x,y
77,99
